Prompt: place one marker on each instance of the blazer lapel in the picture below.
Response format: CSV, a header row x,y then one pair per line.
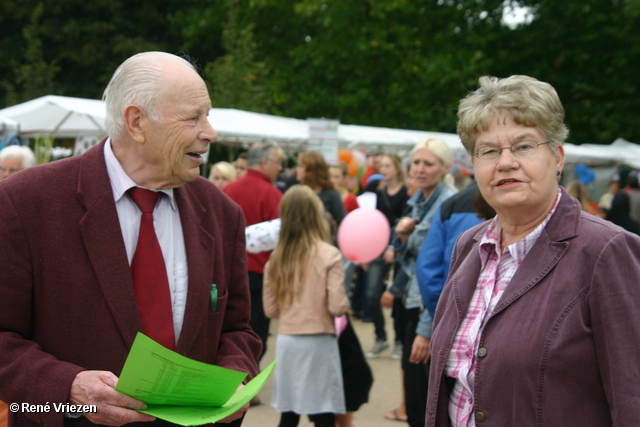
x,y
546,252
200,249
466,277
100,229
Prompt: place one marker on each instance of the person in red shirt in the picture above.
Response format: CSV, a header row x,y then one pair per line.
x,y
373,161
260,201
338,176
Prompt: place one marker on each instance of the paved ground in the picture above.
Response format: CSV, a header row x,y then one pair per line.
x,y
385,393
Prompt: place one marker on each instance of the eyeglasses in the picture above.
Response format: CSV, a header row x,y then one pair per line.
x,y
520,149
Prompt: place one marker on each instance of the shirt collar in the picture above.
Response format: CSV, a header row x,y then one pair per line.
x,y
120,181
491,239
258,174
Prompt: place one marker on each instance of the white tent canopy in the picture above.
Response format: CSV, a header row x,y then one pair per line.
x,y
59,116
7,124
620,152
237,127
245,128
66,117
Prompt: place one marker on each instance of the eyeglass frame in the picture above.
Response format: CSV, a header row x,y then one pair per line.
x,y
519,155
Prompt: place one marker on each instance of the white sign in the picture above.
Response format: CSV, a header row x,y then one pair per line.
x,y
323,137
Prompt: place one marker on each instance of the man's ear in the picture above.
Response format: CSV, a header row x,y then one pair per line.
x,y
133,122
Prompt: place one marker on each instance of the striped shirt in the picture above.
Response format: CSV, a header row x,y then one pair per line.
x,y
166,222
495,274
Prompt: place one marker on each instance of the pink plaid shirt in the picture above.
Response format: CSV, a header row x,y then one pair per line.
x,y
496,273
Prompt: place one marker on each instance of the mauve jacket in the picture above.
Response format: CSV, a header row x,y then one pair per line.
x,y
562,347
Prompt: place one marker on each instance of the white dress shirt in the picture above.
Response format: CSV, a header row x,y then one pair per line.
x,y
166,222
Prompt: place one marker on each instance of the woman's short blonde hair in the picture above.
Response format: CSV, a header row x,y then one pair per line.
x,y
442,151
438,147
528,101
226,169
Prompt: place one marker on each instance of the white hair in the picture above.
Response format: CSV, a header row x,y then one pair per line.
x,y
136,82
20,152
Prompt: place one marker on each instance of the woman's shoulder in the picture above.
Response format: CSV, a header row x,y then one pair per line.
x,y
447,192
329,193
327,250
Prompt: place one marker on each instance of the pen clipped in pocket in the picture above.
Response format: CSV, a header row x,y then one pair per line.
x,y
214,298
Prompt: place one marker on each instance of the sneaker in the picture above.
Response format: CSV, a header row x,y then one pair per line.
x,y
378,347
397,351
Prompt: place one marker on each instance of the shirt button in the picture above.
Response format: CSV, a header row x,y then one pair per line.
x,y
479,416
482,352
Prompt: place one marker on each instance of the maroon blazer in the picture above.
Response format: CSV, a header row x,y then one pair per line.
x,y
562,347
67,301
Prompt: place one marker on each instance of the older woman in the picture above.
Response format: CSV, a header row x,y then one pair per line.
x,y
431,162
222,173
539,321
15,158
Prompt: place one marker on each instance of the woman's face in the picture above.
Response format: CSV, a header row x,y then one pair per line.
x,y
241,167
300,172
386,168
512,184
427,170
337,177
219,180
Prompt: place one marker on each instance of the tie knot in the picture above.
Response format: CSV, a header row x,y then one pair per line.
x,y
145,199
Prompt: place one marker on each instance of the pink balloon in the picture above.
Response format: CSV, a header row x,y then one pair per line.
x,y
363,234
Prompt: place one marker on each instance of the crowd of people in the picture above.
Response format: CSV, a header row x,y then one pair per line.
x,y
513,298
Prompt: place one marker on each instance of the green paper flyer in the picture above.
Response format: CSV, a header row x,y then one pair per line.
x,y
184,391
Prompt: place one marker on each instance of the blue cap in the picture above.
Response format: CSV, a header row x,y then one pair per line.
x,y
374,177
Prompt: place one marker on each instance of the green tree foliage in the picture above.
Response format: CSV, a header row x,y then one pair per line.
x,y
589,50
34,77
394,63
84,41
236,78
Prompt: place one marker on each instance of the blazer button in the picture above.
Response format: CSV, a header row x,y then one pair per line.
x,y
479,416
482,352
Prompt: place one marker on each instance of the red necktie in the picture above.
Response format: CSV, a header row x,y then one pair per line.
x,y
150,274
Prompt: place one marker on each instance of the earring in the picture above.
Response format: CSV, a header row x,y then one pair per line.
x,y
558,173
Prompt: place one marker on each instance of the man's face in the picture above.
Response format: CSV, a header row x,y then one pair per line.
x,y
173,146
10,166
273,165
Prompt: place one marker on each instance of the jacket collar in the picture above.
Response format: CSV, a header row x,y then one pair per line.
x,y
563,226
103,240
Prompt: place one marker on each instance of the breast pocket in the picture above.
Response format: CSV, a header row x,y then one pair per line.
x,y
417,237
215,321
218,303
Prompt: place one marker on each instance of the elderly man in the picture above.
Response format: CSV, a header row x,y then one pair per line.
x,y
15,158
125,238
260,201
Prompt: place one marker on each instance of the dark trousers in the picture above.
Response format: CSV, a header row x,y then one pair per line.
x,y
399,314
375,288
291,419
416,375
259,322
